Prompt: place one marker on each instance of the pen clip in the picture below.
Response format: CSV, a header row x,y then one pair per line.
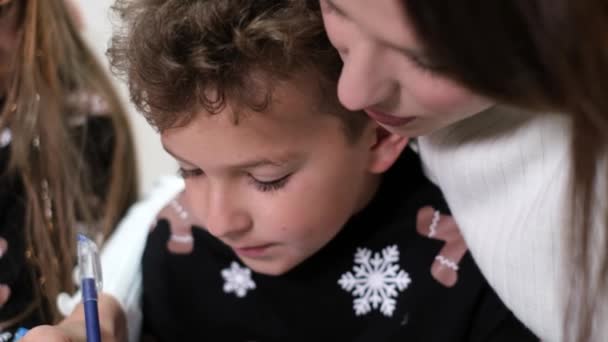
x,y
89,265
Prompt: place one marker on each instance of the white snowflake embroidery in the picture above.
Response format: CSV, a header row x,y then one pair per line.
x,y
237,279
376,281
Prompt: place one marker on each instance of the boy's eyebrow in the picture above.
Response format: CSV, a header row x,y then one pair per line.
x,y
245,165
178,158
252,164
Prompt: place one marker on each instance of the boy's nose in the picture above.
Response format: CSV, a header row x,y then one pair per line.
x,y
364,82
228,226
224,219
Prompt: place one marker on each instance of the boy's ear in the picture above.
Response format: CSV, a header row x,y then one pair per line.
x,y
385,150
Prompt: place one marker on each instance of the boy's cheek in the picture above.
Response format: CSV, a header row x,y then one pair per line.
x,y
192,203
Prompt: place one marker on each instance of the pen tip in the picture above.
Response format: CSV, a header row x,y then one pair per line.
x,y
82,238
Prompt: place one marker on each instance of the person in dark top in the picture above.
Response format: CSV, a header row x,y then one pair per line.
x,y
397,271
66,158
288,228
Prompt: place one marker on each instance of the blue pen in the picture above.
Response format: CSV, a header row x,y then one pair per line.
x,y
91,283
18,334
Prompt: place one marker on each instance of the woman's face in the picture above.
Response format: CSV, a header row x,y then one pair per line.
x,y
9,33
386,72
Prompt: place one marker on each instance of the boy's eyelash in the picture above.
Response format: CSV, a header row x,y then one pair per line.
x,y
271,185
184,173
260,185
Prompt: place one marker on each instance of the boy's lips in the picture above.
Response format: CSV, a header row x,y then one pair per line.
x,y
253,251
388,119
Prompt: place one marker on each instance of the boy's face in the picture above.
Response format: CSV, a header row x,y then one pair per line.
x,y
279,185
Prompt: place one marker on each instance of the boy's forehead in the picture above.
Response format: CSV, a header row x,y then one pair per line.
x,y
285,119
252,159
259,139
294,113
298,99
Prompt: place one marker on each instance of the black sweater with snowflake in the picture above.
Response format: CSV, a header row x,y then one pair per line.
x,y
398,271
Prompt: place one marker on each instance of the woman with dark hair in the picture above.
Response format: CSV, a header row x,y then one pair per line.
x,y
66,157
508,99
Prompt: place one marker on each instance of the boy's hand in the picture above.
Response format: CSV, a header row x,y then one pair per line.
x,y
112,322
53,333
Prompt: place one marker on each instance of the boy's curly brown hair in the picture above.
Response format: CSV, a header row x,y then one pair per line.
x,y
181,56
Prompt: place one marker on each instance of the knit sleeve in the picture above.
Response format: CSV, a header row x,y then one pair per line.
x,y
506,178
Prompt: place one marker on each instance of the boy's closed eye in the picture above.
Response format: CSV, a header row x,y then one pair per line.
x,y
261,185
271,185
188,173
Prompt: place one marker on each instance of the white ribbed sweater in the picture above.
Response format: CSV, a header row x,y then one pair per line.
x,y
506,178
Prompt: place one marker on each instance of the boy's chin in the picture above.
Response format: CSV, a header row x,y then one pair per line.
x,y
269,267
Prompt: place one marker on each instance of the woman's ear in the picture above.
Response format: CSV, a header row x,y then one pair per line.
x,y
385,150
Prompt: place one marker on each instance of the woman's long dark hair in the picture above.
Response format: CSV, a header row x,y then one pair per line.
x,y
544,55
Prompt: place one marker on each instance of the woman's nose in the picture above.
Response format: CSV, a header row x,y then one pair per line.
x,y
365,80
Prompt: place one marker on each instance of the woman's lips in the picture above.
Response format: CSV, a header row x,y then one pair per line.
x,y
389,120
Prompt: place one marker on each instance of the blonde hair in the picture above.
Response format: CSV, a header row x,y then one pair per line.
x,y
51,65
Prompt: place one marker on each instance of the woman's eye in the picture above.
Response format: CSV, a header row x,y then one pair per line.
x,y
273,185
187,173
329,8
425,65
5,7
